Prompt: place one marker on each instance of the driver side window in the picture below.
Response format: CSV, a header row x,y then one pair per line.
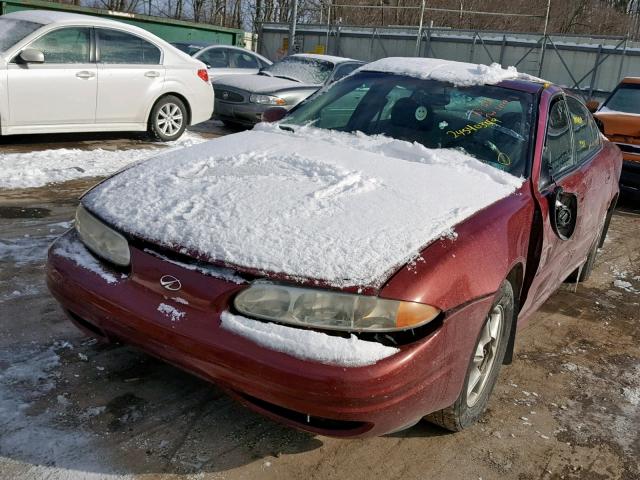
x,y
557,155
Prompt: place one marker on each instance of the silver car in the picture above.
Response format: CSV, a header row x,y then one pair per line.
x,y
240,100
224,59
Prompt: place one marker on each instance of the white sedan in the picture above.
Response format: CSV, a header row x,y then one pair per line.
x,y
63,72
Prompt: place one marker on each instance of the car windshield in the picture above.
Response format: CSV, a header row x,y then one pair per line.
x,y
626,99
300,69
12,31
491,123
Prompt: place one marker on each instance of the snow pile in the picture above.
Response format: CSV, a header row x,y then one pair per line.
x,y
461,74
171,312
34,169
78,254
346,209
307,344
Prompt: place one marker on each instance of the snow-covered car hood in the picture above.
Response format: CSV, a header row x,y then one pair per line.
x,y
259,83
342,208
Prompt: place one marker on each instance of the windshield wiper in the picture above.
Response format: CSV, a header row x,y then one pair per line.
x,y
288,78
264,72
286,128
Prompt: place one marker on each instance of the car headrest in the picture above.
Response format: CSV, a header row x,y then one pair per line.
x,y
408,113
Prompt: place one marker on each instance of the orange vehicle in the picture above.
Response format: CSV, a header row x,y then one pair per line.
x,y
619,119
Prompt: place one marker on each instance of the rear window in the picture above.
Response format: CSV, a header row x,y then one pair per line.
x,y
123,48
625,99
12,31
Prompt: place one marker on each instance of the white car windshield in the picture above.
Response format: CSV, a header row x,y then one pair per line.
x,y
12,31
300,69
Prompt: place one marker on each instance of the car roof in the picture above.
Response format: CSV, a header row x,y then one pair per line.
x,y
47,17
327,58
462,74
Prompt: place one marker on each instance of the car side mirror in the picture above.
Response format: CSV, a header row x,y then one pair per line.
x,y
31,55
592,105
563,210
274,114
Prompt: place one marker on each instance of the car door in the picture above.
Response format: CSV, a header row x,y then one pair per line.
x,y
217,61
565,224
63,89
130,76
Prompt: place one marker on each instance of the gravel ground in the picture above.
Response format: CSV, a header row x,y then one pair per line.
x,y
569,406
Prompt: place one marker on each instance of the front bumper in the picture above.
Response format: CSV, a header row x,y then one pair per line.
x,y
242,113
347,402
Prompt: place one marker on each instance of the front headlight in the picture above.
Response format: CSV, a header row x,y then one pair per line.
x,y
267,100
100,239
331,310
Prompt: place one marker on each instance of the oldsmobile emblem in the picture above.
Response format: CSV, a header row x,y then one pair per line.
x,y
170,283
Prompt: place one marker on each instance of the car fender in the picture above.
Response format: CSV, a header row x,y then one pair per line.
x,y
472,261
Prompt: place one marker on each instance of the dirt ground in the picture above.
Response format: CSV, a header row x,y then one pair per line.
x,y
568,408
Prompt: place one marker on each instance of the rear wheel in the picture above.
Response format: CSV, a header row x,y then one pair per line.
x,y
168,119
484,366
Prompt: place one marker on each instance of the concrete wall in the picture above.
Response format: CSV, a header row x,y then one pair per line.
x,y
616,57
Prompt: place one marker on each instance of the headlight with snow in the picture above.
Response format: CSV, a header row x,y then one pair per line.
x,y
267,100
331,310
102,240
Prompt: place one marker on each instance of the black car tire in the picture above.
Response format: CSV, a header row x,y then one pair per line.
x,y
168,119
462,414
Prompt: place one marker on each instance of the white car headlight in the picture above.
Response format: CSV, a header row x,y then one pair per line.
x,y
331,310
267,100
102,240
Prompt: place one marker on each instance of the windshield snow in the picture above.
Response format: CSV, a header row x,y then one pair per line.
x,y
493,124
301,69
12,31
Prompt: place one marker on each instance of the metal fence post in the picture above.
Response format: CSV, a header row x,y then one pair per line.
x,y
624,51
473,47
419,39
504,44
595,71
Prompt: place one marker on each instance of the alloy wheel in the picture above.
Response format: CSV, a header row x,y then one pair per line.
x,y
485,354
169,119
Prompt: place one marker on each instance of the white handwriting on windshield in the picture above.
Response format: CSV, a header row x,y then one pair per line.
x,y
470,129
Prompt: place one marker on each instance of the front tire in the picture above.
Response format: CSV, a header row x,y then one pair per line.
x,y
484,366
168,119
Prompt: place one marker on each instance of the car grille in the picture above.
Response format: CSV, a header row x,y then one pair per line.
x,y
229,96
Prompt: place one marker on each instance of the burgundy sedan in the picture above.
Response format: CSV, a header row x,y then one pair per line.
x,y
363,262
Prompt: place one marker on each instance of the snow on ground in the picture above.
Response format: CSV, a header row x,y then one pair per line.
x,y
343,208
34,169
461,74
307,344
34,442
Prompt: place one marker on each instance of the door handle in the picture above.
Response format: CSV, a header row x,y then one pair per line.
x,y
85,75
152,74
